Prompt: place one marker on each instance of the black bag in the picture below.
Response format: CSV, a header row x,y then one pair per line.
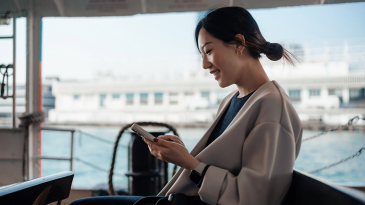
x,y
173,199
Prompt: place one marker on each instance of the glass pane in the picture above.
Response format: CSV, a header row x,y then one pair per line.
x,y
116,96
129,98
144,98
158,98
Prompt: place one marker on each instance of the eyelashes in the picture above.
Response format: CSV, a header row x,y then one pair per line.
x,y
207,52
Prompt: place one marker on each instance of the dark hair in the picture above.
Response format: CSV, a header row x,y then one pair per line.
x,y
225,23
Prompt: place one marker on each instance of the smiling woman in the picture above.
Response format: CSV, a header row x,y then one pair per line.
x,y
231,43
247,155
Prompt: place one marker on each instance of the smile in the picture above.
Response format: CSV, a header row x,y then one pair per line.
x,y
216,72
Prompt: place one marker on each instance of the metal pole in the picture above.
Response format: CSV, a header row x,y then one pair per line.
x,y
14,76
72,151
32,84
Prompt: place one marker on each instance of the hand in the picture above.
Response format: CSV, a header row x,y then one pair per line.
x,y
172,151
172,138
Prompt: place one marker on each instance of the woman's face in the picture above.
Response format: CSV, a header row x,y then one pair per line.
x,y
221,59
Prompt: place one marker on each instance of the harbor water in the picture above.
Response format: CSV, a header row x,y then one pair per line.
x,y
314,154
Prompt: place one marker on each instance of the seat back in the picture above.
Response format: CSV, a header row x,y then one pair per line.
x,y
40,191
307,189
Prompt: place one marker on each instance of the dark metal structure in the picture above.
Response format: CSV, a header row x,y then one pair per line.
x,y
147,174
306,189
40,191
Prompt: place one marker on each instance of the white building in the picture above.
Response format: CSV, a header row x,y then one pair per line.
x,y
324,86
178,101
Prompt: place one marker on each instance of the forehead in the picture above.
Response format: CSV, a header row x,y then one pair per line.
x,y
204,38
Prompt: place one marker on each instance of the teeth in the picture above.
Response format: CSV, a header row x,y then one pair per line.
x,y
216,72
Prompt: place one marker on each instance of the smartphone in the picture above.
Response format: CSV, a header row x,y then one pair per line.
x,y
141,132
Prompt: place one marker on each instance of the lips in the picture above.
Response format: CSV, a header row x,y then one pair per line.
x,y
215,72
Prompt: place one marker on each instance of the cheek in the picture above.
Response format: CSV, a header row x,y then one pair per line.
x,y
220,61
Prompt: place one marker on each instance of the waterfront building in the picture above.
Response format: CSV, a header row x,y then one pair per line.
x,y
176,101
327,85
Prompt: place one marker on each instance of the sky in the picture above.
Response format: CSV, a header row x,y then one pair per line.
x,y
163,44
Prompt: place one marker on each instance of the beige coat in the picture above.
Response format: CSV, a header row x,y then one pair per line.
x,y
252,161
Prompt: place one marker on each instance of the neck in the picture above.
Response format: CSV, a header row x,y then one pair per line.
x,y
253,77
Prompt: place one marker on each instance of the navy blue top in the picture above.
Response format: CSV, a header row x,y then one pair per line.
x,y
231,112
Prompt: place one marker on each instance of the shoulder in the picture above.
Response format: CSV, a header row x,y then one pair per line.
x,y
268,96
274,105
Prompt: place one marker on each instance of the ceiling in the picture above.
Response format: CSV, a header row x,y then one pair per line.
x,y
89,8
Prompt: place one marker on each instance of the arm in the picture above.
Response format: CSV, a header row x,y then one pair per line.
x,y
268,156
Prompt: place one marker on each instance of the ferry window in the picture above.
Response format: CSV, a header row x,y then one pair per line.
x,y
294,95
158,98
356,94
102,100
314,92
143,98
337,92
129,97
205,94
188,93
76,97
116,96
173,98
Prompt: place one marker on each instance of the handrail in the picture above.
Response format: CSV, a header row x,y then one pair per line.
x,y
72,145
57,129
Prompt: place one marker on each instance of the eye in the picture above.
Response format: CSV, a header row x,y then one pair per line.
x,y
209,51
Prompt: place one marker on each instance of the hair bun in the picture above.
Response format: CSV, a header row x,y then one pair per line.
x,y
273,51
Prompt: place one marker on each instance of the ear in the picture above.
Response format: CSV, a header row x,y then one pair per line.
x,y
241,38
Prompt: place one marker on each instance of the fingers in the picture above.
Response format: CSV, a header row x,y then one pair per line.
x,y
164,143
171,137
156,145
150,148
156,152
168,137
149,143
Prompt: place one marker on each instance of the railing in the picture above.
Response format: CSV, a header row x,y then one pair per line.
x,y
72,145
72,131
72,158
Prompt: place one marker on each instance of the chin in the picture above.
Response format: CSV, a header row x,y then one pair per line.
x,y
223,85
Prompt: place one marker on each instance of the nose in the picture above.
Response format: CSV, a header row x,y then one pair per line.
x,y
206,63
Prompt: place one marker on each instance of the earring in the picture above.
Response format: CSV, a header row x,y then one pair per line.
x,y
239,53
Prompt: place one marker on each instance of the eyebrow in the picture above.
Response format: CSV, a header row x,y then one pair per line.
x,y
205,45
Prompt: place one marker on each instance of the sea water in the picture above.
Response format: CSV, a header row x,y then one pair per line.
x,y
314,154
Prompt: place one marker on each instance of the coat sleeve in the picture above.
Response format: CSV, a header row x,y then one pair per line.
x,y
268,156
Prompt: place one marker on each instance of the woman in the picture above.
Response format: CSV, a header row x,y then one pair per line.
x,y
247,155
